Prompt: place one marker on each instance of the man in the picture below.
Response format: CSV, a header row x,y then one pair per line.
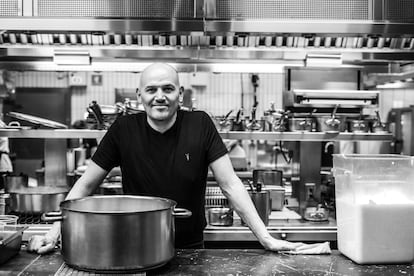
x,y
166,152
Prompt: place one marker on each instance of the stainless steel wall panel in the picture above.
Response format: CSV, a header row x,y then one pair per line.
x,y
399,10
117,8
293,9
10,7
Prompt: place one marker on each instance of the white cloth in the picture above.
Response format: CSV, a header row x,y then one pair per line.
x,y
311,249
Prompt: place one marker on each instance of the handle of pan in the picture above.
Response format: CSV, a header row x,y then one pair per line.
x,y
52,216
182,213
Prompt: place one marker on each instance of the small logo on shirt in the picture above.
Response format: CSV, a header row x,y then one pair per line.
x,y
187,156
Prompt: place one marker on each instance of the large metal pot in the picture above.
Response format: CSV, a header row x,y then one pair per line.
x,y
118,233
36,199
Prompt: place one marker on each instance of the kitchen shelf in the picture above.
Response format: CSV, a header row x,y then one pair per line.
x,y
52,133
305,136
237,135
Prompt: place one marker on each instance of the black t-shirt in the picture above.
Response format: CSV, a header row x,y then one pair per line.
x,y
172,164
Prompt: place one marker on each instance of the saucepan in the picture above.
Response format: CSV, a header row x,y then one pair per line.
x,y
220,216
118,233
333,123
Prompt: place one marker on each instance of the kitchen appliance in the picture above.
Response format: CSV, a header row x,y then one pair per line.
x,y
118,233
374,207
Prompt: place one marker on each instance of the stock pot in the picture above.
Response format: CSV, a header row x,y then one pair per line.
x,y
36,199
118,233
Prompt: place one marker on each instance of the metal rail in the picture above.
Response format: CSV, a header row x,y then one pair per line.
x,y
253,135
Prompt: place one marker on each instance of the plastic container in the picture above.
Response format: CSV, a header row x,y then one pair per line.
x,y
277,197
375,207
10,242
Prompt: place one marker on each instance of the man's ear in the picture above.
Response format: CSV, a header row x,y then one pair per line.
x,y
138,95
181,95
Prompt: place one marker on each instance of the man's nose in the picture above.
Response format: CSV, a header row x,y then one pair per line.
x,y
160,96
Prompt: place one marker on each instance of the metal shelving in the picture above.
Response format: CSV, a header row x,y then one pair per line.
x,y
238,135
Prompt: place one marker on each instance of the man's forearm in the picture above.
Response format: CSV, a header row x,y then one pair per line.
x,y
242,203
85,185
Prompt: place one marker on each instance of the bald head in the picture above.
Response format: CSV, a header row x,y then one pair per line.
x,y
158,71
160,94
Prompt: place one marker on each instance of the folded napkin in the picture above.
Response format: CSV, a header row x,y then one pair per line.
x,y
311,249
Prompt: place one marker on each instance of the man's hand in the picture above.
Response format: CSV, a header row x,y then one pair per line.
x,y
280,245
296,247
41,244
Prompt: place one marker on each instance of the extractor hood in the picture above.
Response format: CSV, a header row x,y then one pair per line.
x,y
52,34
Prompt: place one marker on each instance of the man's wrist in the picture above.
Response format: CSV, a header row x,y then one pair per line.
x,y
266,240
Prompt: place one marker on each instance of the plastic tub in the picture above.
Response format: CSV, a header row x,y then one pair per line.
x,y
375,207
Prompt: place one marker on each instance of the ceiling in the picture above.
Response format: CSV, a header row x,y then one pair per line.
x,y
201,35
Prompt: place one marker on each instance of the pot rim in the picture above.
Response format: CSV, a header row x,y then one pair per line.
x,y
121,212
41,190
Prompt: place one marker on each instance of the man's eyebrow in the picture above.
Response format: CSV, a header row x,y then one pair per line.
x,y
169,85
151,86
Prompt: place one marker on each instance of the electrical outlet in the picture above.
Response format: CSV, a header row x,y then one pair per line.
x,y
77,79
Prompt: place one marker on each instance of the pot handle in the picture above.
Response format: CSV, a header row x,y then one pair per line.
x,y
52,216
182,213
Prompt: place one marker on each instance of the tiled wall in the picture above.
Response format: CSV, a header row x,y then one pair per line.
x,y
214,93
395,98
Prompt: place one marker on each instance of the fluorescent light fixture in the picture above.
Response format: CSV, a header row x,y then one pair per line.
x,y
246,68
71,57
323,60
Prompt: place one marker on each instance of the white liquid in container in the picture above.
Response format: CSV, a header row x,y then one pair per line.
x,y
370,232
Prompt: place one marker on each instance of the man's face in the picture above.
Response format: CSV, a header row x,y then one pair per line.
x,y
160,93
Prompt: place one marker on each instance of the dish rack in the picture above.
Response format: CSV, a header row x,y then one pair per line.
x,y
215,198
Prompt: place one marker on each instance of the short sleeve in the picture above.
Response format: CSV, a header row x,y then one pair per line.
x,y
214,145
107,154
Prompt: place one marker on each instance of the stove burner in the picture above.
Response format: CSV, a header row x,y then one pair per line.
x,y
65,270
27,218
